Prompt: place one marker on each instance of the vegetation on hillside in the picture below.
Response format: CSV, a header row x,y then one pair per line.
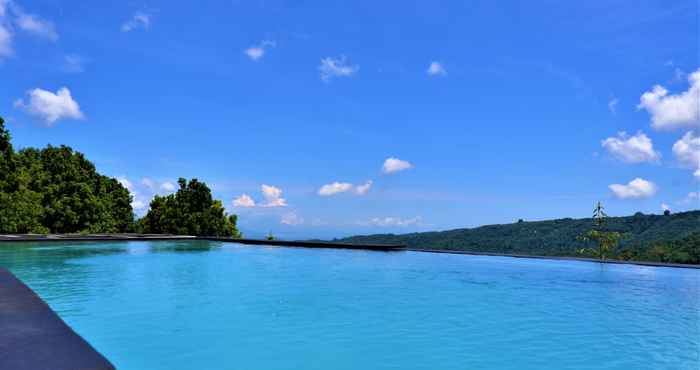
x,y
190,211
662,238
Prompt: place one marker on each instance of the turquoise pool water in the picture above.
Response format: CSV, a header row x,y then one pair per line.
x,y
207,305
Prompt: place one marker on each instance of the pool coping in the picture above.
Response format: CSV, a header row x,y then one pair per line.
x,y
311,244
33,336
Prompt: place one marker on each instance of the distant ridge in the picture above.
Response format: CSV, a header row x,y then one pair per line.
x,y
559,237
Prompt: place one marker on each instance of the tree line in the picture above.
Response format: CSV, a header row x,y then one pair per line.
x,y
668,237
57,190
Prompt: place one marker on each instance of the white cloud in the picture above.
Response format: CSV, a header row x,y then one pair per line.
x,y
5,42
364,188
138,204
687,151
138,20
334,188
436,69
291,218
665,207
125,183
612,105
244,201
37,26
393,222
273,196
343,187
143,191
255,52
336,67
167,187
147,182
673,111
258,51
631,149
50,107
637,188
392,165
12,17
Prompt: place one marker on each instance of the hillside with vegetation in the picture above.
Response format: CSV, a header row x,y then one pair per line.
x,y
57,190
662,238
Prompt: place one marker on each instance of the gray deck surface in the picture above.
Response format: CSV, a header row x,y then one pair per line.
x,y
33,337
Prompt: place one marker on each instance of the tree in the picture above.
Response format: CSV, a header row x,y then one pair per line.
x,y
190,211
667,212
58,190
606,241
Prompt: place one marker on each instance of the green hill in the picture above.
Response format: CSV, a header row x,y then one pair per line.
x,y
664,238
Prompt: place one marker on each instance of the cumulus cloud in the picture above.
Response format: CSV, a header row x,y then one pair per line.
x,y
687,151
670,112
35,25
167,187
138,205
344,187
364,188
436,69
143,191
244,201
334,188
125,183
138,20
336,67
392,165
50,107
631,149
637,188
291,218
273,196
393,222
258,51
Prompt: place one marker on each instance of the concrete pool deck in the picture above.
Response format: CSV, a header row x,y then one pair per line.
x,y
32,336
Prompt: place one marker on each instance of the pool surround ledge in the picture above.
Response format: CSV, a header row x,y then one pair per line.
x,y
33,337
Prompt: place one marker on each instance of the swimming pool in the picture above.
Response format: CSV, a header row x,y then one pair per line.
x,y
210,305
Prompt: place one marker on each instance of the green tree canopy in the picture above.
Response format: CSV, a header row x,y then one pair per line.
x,y
190,211
58,190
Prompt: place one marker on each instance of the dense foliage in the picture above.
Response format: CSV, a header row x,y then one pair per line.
x,y
667,238
190,211
57,190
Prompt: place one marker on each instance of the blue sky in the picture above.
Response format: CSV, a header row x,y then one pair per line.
x,y
487,111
